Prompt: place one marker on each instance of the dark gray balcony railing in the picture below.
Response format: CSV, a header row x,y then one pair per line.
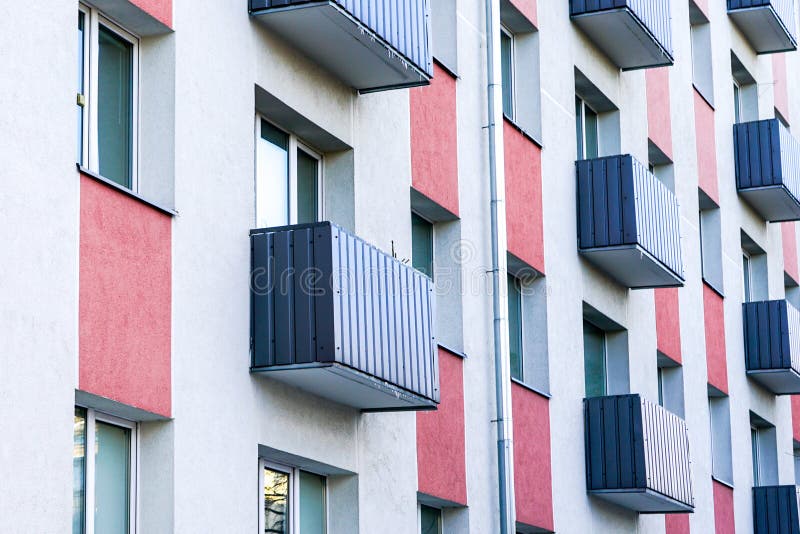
x,y
637,455
635,34
772,345
335,316
769,25
767,161
628,222
371,45
775,510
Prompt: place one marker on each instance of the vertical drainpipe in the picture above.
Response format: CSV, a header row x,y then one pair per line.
x,y
497,185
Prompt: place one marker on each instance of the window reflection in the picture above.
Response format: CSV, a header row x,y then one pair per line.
x,y
276,499
78,470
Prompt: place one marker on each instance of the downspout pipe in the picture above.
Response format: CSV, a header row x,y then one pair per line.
x,y
497,184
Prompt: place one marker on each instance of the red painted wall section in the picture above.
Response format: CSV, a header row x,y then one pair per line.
x,y
723,509
706,147
796,417
676,524
158,9
434,140
527,8
533,486
789,234
523,169
659,122
668,322
781,89
714,317
124,299
441,456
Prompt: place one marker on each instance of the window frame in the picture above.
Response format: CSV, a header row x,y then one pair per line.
x,y
583,104
419,517
93,19
433,242
755,452
604,334
511,74
517,283
737,102
293,505
295,144
747,277
92,417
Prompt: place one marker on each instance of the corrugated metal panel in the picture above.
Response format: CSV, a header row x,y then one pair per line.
x,y
636,445
402,24
653,14
771,335
784,9
621,203
757,153
775,510
320,294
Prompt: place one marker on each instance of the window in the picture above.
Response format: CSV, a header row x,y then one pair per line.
x,y
764,449
104,467
720,422
507,65
754,445
747,281
710,242
745,92
430,520
107,98
294,501
702,74
670,385
515,327
660,386
737,103
288,179
422,244
594,360
585,130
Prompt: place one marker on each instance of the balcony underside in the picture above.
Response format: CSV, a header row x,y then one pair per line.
x,y
632,266
624,39
339,43
778,381
763,30
644,501
774,203
347,386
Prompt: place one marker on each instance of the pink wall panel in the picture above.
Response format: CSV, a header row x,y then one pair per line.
x,y
714,317
676,524
789,234
796,417
527,8
441,464
781,89
532,472
723,509
124,299
434,140
659,122
706,147
158,9
668,322
523,169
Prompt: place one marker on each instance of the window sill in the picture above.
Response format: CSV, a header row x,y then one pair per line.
x,y
124,190
524,133
531,388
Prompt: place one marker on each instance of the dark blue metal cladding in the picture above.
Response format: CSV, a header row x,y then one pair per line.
x,y
757,154
402,24
771,335
775,510
784,10
652,14
322,295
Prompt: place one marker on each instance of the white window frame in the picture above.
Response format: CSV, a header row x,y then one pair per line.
x,y
295,144
513,66
584,105
521,313
737,102
93,19
92,416
755,447
747,276
293,506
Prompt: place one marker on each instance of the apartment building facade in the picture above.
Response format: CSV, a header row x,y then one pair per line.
x,y
287,266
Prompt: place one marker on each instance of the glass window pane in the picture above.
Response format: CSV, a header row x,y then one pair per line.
x,y
81,59
507,65
307,187
112,482
591,133
746,277
272,177
276,502
661,386
515,327
579,126
430,520
79,471
594,360
115,107
421,245
755,452
312,503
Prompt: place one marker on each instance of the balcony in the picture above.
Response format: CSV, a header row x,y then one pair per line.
x,y
335,316
768,169
775,510
634,34
767,24
371,46
772,345
628,223
637,455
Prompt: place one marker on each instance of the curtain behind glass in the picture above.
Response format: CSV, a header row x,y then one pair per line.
x,y
112,482
312,503
79,471
115,107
